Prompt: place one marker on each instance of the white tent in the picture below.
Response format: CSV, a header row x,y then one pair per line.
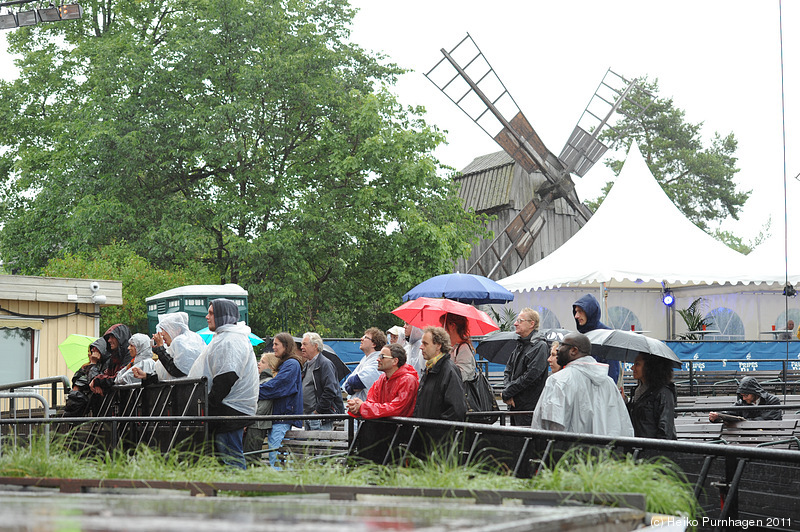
x,y
637,244
636,238
773,259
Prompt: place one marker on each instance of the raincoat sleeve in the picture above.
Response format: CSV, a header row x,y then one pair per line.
x,y
230,354
665,406
126,376
550,413
535,368
167,362
285,382
403,401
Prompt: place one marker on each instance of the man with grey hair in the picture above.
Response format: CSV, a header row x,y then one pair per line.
x,y
320,388
526,370
581,397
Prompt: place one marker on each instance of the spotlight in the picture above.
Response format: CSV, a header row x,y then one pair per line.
x,y
70,11
668,299
789,291
8,21
49,14
28,18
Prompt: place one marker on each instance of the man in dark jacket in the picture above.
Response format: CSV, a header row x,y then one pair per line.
x,y
441,394
751,393
586,312
320,387
526,370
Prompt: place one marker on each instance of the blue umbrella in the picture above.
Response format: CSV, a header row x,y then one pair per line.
x,y
463,287
207,335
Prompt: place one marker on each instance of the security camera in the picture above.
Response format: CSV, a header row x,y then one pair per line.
x,y
95,286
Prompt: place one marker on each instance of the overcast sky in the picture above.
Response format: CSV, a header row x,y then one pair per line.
x,y
720,60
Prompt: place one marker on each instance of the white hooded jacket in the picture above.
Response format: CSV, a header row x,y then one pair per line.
x,y
230,350
582,398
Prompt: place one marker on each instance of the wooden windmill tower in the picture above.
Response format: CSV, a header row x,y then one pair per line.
x,y
465,76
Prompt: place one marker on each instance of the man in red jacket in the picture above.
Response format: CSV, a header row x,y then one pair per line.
x,y
394,393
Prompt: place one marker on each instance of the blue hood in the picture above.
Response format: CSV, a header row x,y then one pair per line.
x,y
592,309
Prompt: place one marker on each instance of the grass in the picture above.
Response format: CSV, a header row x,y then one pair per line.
x,y
579,470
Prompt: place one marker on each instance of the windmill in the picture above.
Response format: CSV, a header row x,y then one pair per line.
x,y
465,76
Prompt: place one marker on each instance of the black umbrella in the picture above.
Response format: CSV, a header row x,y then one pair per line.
x,y
498,346
554,335
341,368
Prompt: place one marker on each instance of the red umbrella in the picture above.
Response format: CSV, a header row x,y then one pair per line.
x,y
425,311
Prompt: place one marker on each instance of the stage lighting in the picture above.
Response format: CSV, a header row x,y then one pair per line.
x,y
668,299
789,291
71,11
28,18
49,14
8,21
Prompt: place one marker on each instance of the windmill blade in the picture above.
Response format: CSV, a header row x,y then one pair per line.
x,y
489,104
583,149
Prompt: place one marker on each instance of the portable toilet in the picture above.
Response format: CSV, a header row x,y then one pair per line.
x,y
194,300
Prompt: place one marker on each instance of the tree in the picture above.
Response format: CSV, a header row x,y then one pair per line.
x,y
249,137
698,180
139,281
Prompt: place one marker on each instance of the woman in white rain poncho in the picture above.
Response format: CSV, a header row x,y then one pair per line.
x,y
229,364
176,345
142,358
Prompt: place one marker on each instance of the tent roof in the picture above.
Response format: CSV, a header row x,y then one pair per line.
x,y
773,260
637,237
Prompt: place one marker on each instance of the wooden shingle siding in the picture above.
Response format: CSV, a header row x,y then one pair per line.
x,y
493,184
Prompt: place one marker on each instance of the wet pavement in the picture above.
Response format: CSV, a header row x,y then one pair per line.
x,y
46,510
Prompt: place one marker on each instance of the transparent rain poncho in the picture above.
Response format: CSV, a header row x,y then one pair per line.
x,y
185,347
143,359
230,350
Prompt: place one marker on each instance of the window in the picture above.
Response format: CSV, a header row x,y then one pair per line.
x,y
19,349
727,322
623,318
547,318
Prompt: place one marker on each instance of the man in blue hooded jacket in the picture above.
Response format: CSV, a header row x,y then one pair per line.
x,y
586,312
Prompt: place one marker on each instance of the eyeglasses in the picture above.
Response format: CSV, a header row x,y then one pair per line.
x,y
386,356
520,320
365,337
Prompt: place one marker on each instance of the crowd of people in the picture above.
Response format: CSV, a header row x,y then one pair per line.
x,y
554,385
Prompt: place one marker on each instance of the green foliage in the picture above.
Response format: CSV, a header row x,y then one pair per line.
x,y
139,280
737,243
578,470
698,179
598,471
693,317
251,138
505,318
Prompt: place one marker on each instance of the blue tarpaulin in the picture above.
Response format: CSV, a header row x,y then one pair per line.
x,y
739,356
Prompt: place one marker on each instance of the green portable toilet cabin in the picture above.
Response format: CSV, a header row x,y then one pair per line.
x,y
194,300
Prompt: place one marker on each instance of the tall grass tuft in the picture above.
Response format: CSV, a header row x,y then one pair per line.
x,y
597,471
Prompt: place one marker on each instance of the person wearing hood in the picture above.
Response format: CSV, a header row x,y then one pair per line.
x,y
751,393
413,343
586,312
652,403
396,335
77,401
580,397
526,370
117,357
139,348
176,346
229,365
